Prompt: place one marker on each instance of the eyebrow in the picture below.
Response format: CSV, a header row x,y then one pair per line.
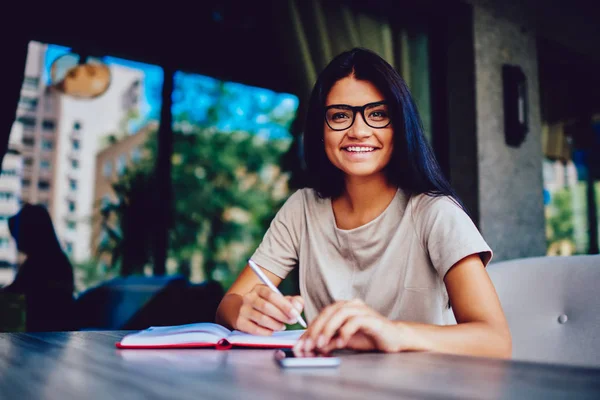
x,y
376,103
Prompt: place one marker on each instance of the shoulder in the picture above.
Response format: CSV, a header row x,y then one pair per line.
x,y
424,206
303,198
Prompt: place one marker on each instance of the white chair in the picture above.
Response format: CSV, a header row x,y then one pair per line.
x,y
553,307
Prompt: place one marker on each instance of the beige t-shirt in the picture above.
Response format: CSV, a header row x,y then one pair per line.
x,y
395,263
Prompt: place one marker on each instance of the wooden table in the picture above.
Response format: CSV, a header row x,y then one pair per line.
x,y
86,365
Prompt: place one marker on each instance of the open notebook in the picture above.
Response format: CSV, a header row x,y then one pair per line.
x,y
204,334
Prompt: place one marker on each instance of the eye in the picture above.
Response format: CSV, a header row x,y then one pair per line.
x,y
339,115
378,115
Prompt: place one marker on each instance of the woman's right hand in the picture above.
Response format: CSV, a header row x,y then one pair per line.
x,y
264,311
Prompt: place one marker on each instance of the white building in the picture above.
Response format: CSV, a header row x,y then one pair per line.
x,y
84,126
10,195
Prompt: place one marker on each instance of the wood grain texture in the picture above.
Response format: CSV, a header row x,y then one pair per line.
x,y
76,365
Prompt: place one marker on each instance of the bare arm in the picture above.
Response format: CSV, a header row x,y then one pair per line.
x,y
482,329
481,325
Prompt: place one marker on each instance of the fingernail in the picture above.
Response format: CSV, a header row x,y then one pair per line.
x,y
283,328
321,341
339,342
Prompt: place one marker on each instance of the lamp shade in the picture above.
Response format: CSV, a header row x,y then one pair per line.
x,y
71,75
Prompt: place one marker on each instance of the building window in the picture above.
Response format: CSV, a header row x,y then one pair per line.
x,y
72,184
31,82
28,161
136,154
69,248
77,125
71,225
6,196
45,164
71,206
121,164
28,103
4,243
46,144
75,144
48,125
107,168
9,172
74,163
28,122
25,182
28,141
44,185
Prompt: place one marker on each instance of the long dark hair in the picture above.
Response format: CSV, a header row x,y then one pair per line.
x,y
412,167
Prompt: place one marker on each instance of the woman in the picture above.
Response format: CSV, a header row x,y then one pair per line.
x,y
381,240
46,275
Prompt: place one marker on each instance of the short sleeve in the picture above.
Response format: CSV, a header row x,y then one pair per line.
x,y
279,249
448,234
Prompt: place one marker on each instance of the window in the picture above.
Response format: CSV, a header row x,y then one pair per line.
x,y
28,141
107,169
121,164
31,82
252,124
28,103
25,182
4,242
48,125
28,161
28,122
9,172
47,144
72,190
6,196
44,185
136,155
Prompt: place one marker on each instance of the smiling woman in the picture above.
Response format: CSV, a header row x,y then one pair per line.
x,y
382,243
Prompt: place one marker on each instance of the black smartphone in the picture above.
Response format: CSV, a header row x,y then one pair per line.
x,y
287,359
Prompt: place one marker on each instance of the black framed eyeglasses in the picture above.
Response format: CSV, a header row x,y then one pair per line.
x,y
341,116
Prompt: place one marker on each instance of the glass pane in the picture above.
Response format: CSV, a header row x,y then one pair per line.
x,y
64,144
228,183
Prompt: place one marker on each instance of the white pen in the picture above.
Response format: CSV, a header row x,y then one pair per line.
x,y
268,282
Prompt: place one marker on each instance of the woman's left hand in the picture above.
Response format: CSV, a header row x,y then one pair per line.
x,y
354,325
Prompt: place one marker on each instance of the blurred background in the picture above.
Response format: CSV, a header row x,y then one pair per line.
x,y
163,140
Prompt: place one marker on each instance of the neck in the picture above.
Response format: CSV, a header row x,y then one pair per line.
x,y
363,194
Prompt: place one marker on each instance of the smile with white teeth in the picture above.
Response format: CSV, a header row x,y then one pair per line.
x,y
359,149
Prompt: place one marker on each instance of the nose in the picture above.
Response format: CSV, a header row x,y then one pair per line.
x,y
359,129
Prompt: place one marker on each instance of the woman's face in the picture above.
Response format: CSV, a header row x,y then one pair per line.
x,y
360,150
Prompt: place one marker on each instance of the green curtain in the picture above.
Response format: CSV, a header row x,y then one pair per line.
x,y
315,31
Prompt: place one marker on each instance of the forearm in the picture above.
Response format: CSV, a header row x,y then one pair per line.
x,y
470,338
228,310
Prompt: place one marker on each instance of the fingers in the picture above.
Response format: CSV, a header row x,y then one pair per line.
x,y
245,325
264,311
297,302
284,305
